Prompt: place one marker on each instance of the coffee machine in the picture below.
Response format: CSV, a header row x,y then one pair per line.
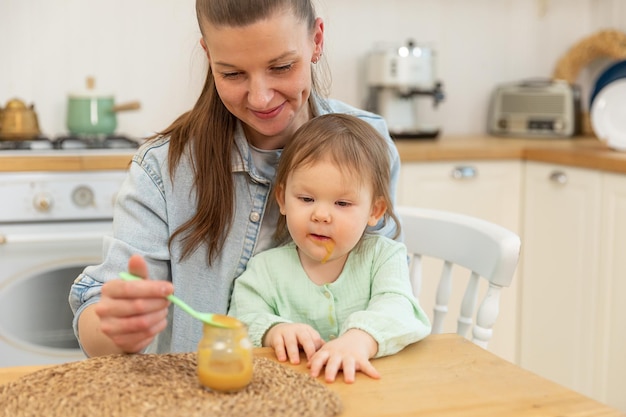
x,y
398,81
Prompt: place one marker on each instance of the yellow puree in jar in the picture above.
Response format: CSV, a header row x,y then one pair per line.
x,y
231,372
226,321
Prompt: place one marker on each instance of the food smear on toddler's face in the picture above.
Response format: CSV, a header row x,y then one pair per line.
x,y
329,245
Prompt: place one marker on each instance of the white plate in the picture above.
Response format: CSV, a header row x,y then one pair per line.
x,y
608,115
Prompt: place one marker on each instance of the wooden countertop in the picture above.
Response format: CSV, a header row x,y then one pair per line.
x,y
443,376
54,160
583,152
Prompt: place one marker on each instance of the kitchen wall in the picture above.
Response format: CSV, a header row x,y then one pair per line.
x,y
148,50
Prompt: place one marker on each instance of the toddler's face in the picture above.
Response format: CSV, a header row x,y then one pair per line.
x,y
325,208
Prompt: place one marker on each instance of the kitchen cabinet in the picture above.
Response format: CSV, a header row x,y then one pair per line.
x,y
610,374
486,189
574,285
558,311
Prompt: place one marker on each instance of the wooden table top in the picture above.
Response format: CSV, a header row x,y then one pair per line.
x,y
444,375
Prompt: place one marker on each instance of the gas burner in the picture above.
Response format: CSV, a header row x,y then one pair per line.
x,y
37,143
95,142
70,142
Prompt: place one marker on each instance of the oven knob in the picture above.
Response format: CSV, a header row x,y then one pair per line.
x,y
83,196
43,202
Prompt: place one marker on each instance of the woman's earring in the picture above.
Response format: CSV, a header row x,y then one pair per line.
x,y
316,59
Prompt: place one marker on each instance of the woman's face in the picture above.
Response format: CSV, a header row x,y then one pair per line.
x,y
263,74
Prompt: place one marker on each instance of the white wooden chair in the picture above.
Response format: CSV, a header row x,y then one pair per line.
x,y
485,249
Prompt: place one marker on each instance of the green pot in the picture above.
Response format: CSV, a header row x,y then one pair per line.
x,y
94,114
91,115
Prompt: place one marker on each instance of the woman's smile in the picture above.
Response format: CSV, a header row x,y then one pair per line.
x,y
268,114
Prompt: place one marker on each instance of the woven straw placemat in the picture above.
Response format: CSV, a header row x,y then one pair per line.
x,y
158,386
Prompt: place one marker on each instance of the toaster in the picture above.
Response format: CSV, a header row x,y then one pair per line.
x,y
535,108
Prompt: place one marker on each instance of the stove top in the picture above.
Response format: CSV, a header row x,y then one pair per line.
x,y
70,142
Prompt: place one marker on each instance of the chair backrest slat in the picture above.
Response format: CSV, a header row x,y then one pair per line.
x,y
468,305
444,289
488,251
416,273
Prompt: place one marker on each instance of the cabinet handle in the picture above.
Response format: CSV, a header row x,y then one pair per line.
x,y
464,172
559,177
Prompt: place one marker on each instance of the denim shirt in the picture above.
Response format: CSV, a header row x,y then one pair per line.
x,y
152,205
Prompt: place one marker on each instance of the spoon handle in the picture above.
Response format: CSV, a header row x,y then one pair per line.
x,y
183,306
180,303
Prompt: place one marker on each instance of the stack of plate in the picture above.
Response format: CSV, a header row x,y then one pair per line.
x,y
608,106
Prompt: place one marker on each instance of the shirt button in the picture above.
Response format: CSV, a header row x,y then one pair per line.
x,y
326,294
332,336
255,217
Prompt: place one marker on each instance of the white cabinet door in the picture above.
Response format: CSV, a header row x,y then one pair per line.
x,y
560,250
486,189
610,375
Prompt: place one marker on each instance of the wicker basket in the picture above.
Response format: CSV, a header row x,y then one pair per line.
x,y
606,43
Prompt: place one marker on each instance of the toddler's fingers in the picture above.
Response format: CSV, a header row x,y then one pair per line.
x,y
333,365
317,362
292,348
310,346
279,348
368,369
349,370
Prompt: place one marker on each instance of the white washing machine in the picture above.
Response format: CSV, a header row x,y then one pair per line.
x,y
51,226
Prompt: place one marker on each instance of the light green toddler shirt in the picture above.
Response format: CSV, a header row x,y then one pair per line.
x,y
372,293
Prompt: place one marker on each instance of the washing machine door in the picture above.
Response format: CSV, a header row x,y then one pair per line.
x,y
35,281
36,320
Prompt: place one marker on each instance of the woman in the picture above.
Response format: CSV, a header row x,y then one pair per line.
x,y
197,202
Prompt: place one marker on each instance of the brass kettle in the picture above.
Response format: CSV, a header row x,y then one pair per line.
x,y
18,121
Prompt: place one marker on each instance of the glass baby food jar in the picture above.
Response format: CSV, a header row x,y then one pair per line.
x,y
225,358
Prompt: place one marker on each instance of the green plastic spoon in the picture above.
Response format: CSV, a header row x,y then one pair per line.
x,y
218,320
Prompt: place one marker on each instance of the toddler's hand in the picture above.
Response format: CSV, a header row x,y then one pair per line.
x,y
286,339
350,352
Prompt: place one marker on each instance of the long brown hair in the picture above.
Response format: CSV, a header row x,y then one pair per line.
x,y
207,131
351,144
